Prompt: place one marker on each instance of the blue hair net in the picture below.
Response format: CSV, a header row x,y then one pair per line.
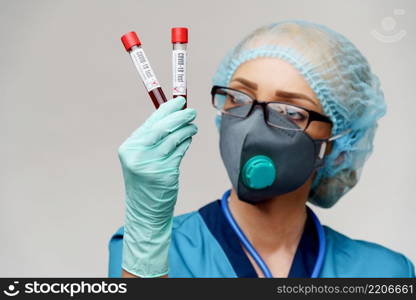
x,y
341,78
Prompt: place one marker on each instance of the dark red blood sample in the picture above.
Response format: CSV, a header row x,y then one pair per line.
x,y
157,96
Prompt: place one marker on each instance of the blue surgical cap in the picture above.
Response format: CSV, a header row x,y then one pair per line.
x,y
341,78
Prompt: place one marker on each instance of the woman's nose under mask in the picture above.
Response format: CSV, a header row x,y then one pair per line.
x,y
264,161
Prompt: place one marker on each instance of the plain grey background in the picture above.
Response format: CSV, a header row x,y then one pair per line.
x,y
69,96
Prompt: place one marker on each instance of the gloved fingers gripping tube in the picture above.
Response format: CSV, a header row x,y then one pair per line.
x,y
178,145
172,150
171,123
151,176
164,110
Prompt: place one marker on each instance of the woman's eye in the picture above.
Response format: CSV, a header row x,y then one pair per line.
x,y
280,109
238,99
295,114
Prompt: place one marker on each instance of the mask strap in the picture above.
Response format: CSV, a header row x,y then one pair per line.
x,y
322,150
332,138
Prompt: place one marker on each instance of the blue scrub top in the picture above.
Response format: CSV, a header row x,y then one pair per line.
x,y
204,245
303,261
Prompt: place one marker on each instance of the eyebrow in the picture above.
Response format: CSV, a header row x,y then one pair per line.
x,y
250,84
280,93
291,95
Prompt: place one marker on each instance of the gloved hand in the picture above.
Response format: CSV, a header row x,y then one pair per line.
x,y
150,160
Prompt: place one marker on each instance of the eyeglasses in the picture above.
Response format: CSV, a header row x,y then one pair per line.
x,y
277,114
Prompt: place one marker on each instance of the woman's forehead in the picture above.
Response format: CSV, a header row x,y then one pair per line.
x,y
272,75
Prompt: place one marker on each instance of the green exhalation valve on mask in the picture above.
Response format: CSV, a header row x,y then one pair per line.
x,y
259,172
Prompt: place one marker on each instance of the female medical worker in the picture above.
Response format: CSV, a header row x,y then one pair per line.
x,y
298,107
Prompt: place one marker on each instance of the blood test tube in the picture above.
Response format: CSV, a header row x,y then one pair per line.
x,y
133,46
179,43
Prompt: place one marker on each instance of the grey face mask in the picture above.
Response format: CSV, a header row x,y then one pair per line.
x,y
264,161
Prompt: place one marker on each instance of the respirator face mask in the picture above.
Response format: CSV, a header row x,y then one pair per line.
x,y
265,150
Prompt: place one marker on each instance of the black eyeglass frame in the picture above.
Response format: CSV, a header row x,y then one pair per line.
x,y
313,115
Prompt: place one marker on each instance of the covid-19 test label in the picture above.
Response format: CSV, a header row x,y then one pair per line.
x,y
145,70
133,46
179,72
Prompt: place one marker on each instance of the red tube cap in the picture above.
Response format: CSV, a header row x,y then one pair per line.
x,y
130,39
179,35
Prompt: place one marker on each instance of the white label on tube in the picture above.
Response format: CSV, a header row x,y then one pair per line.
x,y
179,72
145,70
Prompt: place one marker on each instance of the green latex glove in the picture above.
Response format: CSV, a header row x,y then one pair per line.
x,y
150,160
